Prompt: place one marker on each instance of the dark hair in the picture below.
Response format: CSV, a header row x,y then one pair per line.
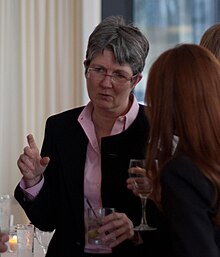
x,y
211,39
127,43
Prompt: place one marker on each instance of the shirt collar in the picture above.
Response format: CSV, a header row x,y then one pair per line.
x,y
121,123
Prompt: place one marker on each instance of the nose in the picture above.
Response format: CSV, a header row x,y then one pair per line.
x,y
107,81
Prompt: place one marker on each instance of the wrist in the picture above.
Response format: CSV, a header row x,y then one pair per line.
x,y
33,181
136,238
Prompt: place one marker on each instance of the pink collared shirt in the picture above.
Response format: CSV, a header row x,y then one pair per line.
x,y
92,176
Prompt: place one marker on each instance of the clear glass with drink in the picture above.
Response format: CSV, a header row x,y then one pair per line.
x,y
25,239
95,222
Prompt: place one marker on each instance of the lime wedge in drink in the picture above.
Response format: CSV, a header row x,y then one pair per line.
x,y
92,233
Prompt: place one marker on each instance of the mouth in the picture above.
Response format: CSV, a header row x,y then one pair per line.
x,y
105,95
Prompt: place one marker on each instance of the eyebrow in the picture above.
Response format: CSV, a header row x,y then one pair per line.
x,y
95,65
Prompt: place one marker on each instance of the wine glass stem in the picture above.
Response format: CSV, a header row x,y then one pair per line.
x,y
143,204
45,250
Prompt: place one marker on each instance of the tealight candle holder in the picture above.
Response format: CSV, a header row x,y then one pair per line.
x,y
12,243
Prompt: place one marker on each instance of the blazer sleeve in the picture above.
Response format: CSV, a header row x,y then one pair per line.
x,y
187,202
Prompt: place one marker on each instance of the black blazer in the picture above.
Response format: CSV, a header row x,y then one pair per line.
x,y
187,198
60,203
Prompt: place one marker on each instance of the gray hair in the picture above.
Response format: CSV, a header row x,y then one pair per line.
x,y
127,42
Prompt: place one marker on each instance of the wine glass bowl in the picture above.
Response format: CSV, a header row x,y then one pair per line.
x,y
142,187
141,183
5,213
43,238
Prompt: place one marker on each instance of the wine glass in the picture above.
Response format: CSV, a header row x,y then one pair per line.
x,y
143,188
5,209
43,238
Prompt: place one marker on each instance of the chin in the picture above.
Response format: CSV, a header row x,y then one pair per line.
x,y
104,106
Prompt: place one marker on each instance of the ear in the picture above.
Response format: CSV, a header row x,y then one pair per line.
x,y
136,80
86,68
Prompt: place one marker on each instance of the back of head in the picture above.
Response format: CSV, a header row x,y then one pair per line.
x,y
183,95
127,42
183,98
211,39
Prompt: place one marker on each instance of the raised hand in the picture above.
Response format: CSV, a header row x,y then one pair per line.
x,y
31,164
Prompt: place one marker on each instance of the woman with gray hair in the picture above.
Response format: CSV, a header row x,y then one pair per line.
x,y
86,151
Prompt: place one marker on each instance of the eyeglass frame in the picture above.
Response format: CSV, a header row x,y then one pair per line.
x,y
102,75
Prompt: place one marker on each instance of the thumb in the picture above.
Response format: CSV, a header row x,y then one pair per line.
x,y
44,161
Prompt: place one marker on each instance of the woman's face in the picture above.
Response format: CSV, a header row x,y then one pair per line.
x,y
107,94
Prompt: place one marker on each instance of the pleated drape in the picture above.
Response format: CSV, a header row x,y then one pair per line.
x,y
42,48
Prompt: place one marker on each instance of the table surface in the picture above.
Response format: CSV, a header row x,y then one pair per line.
x,y
38,251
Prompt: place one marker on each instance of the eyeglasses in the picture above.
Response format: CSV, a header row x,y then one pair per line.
x,y
116,77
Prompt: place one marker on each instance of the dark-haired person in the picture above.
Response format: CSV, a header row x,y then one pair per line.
x,y
211,39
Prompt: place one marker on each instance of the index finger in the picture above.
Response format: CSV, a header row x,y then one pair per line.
x,y
31,142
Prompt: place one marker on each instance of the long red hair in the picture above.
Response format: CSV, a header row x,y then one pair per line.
x,y
183,98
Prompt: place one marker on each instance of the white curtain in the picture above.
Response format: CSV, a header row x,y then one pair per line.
x,y
42,48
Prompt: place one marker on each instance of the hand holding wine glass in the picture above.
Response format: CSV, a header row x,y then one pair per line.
x,y
43,238
142,187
